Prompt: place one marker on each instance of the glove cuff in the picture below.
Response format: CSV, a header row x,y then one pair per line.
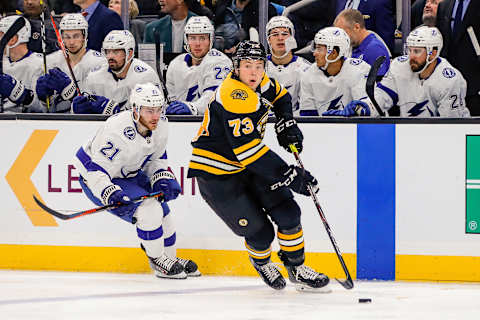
x,y
68,92
161,174
17,92
108,191
110,108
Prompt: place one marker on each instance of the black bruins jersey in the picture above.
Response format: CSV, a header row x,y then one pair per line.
x,y
230,137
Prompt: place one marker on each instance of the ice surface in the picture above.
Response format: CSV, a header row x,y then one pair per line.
x,y
91,296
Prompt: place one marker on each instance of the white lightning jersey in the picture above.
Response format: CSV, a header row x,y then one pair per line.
x,y
91,60
319,92
196,84
289,76
27,70
119,151
442,94
103,82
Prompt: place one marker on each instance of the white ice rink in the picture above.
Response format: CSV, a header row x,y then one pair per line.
x,y
91,296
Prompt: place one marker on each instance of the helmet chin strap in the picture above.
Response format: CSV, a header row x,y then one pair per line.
x,y
427,63
328,61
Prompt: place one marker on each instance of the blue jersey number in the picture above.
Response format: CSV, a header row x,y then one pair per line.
x,y
219,75
109,151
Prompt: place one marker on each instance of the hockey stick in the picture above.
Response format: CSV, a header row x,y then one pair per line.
x,y
156,34
11,32
65,55
44,44
473,38
347,284
370,86
97,209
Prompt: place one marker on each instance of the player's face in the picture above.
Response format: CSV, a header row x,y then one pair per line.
x,y
199,44
319,53
418,58
116,58
277,39
149,117
74,40
250,72
115,5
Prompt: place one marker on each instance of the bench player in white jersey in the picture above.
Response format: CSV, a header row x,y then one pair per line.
x,y
335,84
74,33
126,159
422,84
110,86
192,77
21,69
282,64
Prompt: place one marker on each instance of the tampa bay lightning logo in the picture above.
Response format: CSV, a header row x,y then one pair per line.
x,y
140,69
129,132
448,73
402,58
96,68
336,33
418,109
97,54
355,62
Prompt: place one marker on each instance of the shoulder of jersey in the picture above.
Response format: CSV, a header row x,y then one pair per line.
x,y
179,59
215,56
303,61
140,67
121,125
447,70
401,59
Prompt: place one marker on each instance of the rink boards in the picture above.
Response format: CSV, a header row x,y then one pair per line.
x,y
395,196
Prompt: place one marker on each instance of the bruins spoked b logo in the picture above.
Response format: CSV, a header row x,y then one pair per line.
x,y
243,222
239,94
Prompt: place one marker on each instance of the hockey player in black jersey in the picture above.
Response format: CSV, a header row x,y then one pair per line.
x,y
246,183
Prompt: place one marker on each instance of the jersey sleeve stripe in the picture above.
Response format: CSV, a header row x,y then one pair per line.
x,y
214,156
88,163
246,146
281,94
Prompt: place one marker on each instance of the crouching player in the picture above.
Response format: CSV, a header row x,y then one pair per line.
x,y
127,159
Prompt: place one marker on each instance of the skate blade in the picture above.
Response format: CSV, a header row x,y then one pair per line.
x,y
304,288
181,275
194,274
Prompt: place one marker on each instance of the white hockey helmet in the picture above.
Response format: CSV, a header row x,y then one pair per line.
x,y
147,95
198,25
280,22
332,37
23,34
75,21
120,39
426,37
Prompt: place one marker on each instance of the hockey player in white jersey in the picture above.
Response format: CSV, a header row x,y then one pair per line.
x,y
335,84
192,77
74,33
21,69
127,159
110,86
282,64
422,84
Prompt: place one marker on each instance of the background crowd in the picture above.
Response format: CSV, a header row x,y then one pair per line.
x,y
233,18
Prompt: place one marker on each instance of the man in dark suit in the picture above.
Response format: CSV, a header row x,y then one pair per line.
x,y
378,14
457,45
101,21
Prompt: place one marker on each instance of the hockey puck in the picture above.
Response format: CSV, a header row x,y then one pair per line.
x,y
364,300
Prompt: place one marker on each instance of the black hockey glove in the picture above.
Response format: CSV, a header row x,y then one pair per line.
x,y
288,133
297,179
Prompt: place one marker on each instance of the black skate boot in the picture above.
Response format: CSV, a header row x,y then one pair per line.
x,y
190,267
165,267
270,274
305,278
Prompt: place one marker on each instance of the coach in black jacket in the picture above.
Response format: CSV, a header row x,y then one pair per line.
x,y
100,22
458,48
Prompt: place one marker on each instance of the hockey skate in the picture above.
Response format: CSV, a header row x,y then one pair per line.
x,y
165,267
270,274
306,279
190,267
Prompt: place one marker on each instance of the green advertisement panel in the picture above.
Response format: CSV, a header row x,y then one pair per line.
x,y
472,185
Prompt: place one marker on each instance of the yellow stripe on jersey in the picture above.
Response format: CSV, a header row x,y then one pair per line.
x,y
291,242
255,156
280,91
214,156
294,236
293,248
250,152
237,97
246,146
211,169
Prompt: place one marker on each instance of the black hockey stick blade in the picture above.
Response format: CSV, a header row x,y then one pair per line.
x,y
370,86
11,32
163,84
94,210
